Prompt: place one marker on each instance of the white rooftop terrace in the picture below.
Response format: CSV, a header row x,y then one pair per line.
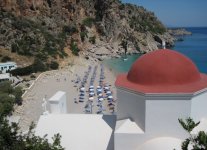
x,y
79,131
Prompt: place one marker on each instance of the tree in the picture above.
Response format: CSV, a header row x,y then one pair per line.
x,y
18,95
198,141
5,87
5,59
88,22
38,65
54,65
11,138
74,47
124,44
6,104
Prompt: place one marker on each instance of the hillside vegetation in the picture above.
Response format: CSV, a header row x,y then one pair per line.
x,y
51,30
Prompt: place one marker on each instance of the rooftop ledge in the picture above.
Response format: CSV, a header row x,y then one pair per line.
x,y
127,126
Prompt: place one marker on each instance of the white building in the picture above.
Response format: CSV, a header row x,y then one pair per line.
x,y
78,131
4,67
160,87
5,77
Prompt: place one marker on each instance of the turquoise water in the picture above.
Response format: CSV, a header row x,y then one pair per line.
x,y
118,65
194,47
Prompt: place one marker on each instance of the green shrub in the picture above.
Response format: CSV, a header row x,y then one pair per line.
x,y
32,76
6,104
21,24
54,65
5,59
88,22
11,137
5,87
38,66
121,7
8,97
22,71
18,95
83,35
70,29
74,48
92,39
196,141
14,48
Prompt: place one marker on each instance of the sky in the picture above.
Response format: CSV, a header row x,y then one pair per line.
x,y
177,13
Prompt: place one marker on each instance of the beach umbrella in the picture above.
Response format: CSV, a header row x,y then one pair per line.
x,y
110,96
110,100
91,86
81,94
99,90
91,90
91,93
108,92
91,98
81,97
100,99
98,87
106,88
100,94
111,104
82,89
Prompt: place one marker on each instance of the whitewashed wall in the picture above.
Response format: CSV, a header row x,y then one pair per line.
x,y
131,106
199,106
162,117
58,104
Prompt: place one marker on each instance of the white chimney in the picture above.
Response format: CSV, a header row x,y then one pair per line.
x,y
57,103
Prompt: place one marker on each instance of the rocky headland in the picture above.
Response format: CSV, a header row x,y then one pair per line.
x,y
52,30
179,32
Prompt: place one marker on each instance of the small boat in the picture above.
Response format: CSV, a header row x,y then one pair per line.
x,y
125,59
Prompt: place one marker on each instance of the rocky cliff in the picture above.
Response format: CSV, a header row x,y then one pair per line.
x,y
54,29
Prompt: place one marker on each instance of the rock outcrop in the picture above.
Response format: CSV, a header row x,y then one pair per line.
x,y
179,32
53,29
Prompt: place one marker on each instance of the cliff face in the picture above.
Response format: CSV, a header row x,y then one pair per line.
x,y
50,29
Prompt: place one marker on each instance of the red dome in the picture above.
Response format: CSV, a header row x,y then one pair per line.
x,y
163,67
163,71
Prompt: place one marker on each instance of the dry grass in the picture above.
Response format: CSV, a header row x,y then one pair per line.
x,y
20,60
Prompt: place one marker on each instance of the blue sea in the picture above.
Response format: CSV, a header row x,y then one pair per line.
x,y
194,46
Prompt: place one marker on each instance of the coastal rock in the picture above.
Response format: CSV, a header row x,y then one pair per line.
x,y
179,32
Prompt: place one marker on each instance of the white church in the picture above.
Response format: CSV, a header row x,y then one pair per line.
x,y
161,87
